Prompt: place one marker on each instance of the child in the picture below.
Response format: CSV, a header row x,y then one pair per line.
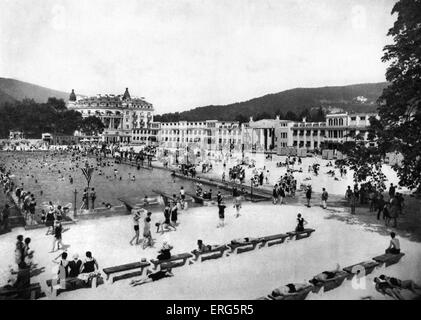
x,y
43,216
136,218
300,223
237,206
221,212
58,229
147,237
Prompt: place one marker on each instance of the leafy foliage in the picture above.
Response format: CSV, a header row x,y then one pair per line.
x,y
400,118
365,161
36,118
92,126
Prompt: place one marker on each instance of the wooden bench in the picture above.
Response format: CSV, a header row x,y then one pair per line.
x,y
332,283
368,267
388,258
244,247
32,292
214,253
300,234
299,295
69,284
109,272
173,262
272,240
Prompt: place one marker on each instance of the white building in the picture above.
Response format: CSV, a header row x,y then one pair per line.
x,y
205,135
123,116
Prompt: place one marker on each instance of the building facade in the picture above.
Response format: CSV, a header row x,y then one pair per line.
x,y
126,119
273,135
205,135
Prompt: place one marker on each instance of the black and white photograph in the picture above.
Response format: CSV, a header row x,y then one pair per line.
x,y
213,150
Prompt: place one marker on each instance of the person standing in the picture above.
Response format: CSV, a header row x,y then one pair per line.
x,y
174,214
281,194
380,205
32,204
237,206
308,195
58,229
275,194
348,194
219,197
147,236
353,201
136,218
5,217
325,195
392,190
19,250
221,212
49,220
93,197
85,199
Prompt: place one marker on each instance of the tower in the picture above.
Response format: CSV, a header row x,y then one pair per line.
x,y
72,96
126,94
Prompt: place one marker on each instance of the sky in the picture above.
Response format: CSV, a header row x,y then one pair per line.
x,y
181,54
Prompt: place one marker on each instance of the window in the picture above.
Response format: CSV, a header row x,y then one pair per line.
x,y
362,118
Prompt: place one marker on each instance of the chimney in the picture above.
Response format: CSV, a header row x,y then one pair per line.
x,y
277,117
304,119
251,119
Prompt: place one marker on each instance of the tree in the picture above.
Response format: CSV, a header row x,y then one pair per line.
x,y
398,128
92,126
241,118
305,114
291,116
318,115
57,104
365,161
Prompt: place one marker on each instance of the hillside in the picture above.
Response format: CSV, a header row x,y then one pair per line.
x,y
296,100
12,90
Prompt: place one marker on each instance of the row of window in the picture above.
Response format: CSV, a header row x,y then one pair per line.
x,y
154,132
196,132
301,144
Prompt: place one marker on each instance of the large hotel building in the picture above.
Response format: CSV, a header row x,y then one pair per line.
x,y
126,119
130,120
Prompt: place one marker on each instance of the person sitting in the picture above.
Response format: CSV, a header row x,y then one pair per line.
x,y
290,288
386,288
325,275
300,223
401,284
75,266
152,277
165,252
89,268
394,247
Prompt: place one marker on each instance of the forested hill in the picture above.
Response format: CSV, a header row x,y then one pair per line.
x,y
14,90
358,98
